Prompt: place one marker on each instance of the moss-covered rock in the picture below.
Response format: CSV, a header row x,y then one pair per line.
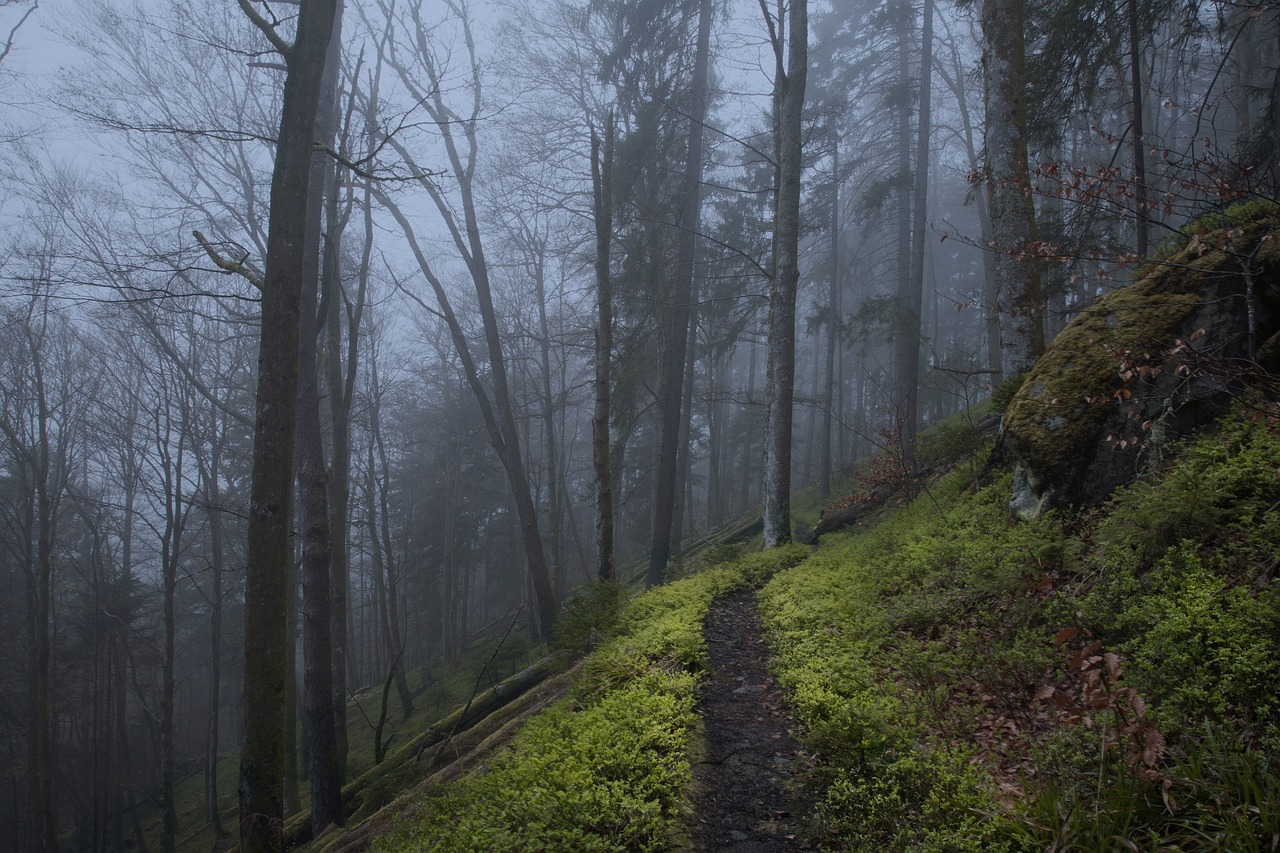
x,y
1148,363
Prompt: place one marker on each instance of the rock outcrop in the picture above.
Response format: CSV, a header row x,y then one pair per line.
x,y
1148,363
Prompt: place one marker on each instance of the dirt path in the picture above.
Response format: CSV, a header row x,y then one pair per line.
x,y
746,799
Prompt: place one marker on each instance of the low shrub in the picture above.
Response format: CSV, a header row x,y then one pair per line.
x,y
608,768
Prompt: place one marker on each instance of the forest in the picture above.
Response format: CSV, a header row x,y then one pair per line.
x,y
361,362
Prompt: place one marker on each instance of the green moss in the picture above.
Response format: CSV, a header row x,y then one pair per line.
x,y
901,643
1072,388
608,768
1084,377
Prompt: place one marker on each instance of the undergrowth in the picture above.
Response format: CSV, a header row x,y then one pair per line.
x,y
609,767
1105,680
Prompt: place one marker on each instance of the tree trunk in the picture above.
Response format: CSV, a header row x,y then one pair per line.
x,y
833,329
908,349
1141,227
1013,228
789,86
380,541
554,510
670,394
602,197
318,699
213,497
320,612
267,574
683,508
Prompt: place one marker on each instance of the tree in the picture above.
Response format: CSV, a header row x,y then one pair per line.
x,y
1008,178
423,76
13,31
602,209
671,393
791,58
41,436
907,356
321,626
275,423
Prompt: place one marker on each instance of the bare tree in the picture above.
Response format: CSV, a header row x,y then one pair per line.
x,y
267,587
423,76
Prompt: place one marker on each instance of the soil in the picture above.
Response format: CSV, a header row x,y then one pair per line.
x,y
749,793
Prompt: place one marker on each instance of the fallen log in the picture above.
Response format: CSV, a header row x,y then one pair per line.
x,y
401,769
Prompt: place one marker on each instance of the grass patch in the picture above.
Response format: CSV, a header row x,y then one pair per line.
x,y
609,767
1101,681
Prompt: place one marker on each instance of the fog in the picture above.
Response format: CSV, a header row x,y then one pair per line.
x,y
451,302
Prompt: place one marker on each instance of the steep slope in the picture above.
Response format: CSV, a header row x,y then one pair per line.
x,y
1096,680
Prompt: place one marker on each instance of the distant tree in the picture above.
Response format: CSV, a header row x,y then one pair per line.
x,y
422,69
45,386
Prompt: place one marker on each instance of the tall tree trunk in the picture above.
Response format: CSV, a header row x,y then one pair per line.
x,y
602,205
267,575
683,508
339,478
380,541
318,617
748,415
789,86
955,80
213,497
126,800
170,553
1141,227
664,498
908,349
554,509
292,759
833,329
1013,227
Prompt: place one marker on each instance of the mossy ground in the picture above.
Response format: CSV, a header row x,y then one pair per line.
x,y
609,767
1097,680
1103,680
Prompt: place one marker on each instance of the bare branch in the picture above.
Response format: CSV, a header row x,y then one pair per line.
x,y
282,46
13,33
228,266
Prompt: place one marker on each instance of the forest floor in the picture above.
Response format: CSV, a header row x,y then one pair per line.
x,y
748,791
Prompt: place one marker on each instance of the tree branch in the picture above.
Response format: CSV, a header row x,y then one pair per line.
x,y
228,266
281,46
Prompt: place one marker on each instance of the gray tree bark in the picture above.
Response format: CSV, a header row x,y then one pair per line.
x,y
1013,225
602,206
267,573
789,86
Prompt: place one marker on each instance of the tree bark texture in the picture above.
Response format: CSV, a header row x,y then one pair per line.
x,y
602,197
1013,228
781,368
322,611
267,572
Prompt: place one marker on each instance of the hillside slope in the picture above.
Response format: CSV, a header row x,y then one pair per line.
x,y
961,680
